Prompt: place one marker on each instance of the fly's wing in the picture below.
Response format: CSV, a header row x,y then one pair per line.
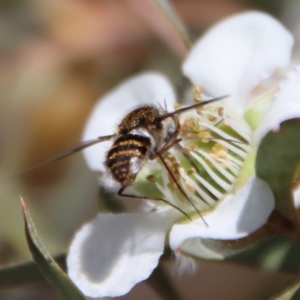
x,y
68,152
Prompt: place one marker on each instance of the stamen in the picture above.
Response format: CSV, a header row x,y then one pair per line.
x,y
213,145
166,191
241,128
224,135
233,168
209,187
234,160
242,154
206,199
217,166
224,185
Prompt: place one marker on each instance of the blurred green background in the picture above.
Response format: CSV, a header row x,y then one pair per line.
x,y
57,57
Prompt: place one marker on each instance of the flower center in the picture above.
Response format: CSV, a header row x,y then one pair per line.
x,y
206,162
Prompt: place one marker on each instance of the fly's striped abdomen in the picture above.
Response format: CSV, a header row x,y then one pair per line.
x,y
127,156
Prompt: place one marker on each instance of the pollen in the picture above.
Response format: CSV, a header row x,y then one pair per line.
x,y
151,178
200,111
197,93
221,111
219,150
205,136
177,106
190,187
191,148
191,171
226,124
211,118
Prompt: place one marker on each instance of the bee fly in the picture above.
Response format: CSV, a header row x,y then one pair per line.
x,y
145,133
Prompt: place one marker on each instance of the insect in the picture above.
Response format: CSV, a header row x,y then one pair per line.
x,y
144,134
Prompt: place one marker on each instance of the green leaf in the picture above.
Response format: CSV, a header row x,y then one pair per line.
x,y
50,269
279,254
288,291
24,273
277,163
214,249
168,11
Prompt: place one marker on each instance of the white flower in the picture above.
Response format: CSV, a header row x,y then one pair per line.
x,y
114,252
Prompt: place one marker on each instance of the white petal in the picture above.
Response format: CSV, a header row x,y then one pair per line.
x,y
235,217
297,198
148,88
114,252
286,106
198,248
236,54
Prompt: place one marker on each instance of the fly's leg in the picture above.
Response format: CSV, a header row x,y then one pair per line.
x,y
121,193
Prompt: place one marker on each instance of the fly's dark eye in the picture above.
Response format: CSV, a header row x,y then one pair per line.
x,y
143,121
158,124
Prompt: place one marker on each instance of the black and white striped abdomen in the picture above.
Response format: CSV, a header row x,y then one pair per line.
x,y
127,156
